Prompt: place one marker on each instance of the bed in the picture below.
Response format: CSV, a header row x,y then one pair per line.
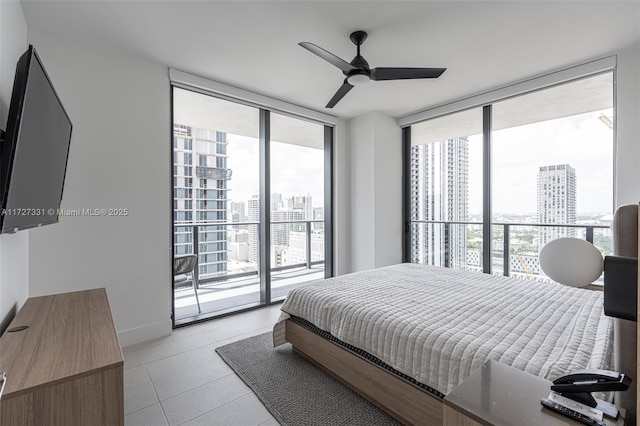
x,y
405,335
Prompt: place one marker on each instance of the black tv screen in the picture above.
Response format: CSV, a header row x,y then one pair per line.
x,y
35,149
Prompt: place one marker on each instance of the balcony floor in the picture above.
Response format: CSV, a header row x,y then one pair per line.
x,y
224,296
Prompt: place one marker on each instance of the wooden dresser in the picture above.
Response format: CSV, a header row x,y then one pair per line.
x,y
67,367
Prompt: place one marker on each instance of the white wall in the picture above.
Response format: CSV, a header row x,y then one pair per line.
x,y
627,179
341,199
376,191
388,191
119,158
361,144
14,249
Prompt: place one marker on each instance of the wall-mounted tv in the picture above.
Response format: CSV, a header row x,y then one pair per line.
x,y
35,149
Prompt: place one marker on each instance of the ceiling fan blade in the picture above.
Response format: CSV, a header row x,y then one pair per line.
x,y
328,56
405,73
343,90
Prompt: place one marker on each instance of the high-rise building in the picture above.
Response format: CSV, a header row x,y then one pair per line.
x,y
556,201
292,218
200,195
298,247
240,208
303,203
318,214
288,215
439,192
253,215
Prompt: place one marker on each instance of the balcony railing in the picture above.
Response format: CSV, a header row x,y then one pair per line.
x,y
196,228
506,236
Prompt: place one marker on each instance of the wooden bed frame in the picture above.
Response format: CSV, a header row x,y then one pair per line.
x,y
399,398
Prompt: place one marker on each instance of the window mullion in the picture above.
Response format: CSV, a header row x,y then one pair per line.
x,y
486,189
265,208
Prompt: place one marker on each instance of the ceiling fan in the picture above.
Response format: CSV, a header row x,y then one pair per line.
x,y
358,71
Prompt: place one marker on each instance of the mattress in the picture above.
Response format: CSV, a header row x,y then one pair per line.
x,y
437,325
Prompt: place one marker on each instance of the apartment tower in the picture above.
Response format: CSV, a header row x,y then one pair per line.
x,y
200,177
556,202
439,192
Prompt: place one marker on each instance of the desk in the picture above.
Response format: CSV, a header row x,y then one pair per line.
x,y
497,394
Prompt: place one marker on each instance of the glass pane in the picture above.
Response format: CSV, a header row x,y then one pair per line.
x,y
552,164
297,203
216,163
446,190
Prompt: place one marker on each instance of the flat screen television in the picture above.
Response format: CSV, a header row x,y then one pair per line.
x,y
35,149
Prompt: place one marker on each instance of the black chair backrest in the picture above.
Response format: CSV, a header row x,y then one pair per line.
x,y
184,264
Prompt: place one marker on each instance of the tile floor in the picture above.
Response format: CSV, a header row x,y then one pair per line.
x,y
181,380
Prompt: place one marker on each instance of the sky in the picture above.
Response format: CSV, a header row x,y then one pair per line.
x,y
295,170
582,141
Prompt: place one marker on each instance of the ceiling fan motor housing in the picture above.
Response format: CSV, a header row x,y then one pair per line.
x,y
358,37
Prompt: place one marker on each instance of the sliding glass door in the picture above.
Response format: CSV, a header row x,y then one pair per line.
x,y
221,174
296,202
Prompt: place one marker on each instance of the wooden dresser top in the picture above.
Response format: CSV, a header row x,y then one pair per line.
x,y
69,335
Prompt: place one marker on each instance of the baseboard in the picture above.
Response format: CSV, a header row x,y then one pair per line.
x,y
144,333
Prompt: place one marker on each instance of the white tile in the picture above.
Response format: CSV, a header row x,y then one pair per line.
x,y
139,396
271,422
262,316
136,376
241,329
150,416
176,335
244,336
168,347
131,357
244,411
191,359
190,329
186,379
198,401
193,382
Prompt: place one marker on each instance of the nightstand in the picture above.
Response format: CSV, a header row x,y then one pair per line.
x,y
497,394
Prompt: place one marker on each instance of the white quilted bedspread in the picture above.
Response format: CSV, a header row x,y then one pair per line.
x,y
438,325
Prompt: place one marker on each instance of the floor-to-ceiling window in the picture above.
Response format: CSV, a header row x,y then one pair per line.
x,y
226,156
506,178
446,191
296,202
552,164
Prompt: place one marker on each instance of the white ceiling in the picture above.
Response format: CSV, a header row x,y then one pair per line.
x,y
254,44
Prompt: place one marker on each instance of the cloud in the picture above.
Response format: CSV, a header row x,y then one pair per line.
x,y
295,170
582,141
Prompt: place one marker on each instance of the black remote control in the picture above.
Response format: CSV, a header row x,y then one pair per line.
x,y
570,413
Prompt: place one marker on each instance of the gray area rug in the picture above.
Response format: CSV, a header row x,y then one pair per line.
x,y
294,390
